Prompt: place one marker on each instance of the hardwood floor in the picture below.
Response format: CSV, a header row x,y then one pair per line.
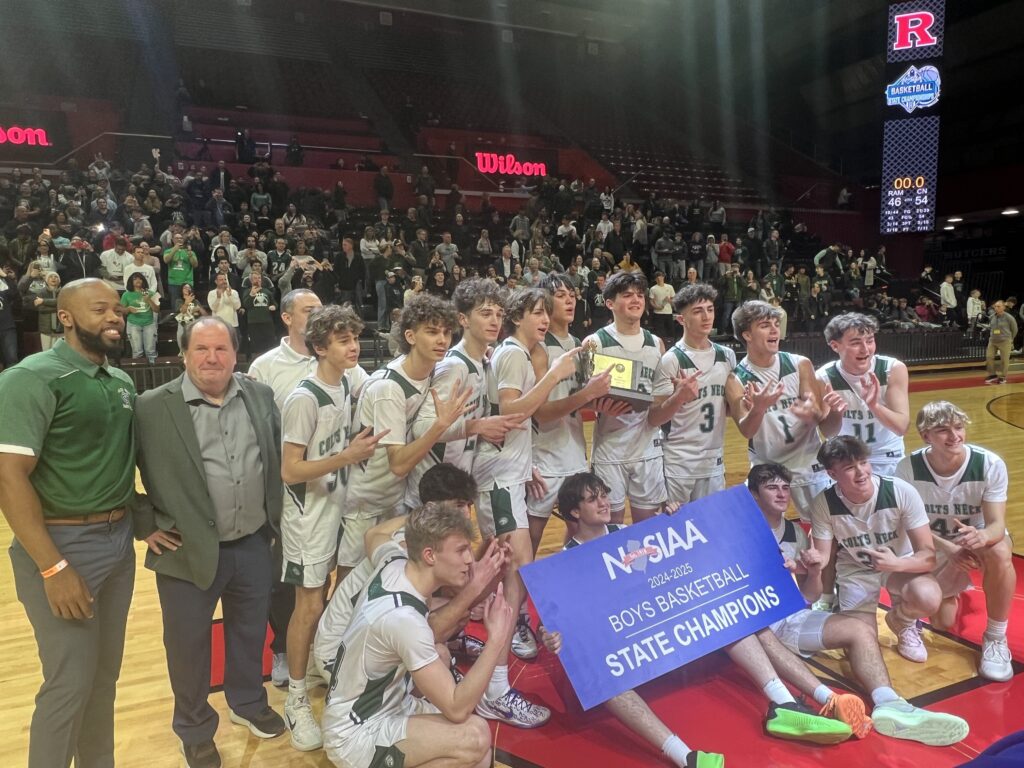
x,y
144,737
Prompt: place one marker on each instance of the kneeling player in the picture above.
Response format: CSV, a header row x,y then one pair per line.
x,y
877,531
964,491
371,717
585,498
809,631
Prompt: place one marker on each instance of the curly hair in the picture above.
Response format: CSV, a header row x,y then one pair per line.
x,y
324,322
477,291
421,309
575,488
691,294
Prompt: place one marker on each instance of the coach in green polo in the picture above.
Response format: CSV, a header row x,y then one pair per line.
x,y
66,478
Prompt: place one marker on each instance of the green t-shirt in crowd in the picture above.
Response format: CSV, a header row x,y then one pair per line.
x,y
179,269
137,299
76,418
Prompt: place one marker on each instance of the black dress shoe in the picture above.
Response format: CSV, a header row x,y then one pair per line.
x,y
266,725
202,755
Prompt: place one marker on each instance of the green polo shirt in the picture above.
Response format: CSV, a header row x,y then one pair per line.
x,y
75,417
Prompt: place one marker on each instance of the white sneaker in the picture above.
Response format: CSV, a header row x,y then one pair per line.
x,y
908,640
298,716
996,662
279,670
901,720
513,708
524,641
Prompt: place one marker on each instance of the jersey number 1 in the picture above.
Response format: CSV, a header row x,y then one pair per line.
x,y
785,429
858,432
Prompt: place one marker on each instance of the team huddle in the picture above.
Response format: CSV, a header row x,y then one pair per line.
x,y
382,474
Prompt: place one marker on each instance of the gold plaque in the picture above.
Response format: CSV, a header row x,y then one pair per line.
x,y
622,369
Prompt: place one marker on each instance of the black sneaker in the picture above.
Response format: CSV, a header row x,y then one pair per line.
x,y
991,379
204,755
266,725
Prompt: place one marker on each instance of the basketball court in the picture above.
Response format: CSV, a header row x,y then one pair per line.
x,y
708,703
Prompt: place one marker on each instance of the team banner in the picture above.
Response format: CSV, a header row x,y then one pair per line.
x,y
654,596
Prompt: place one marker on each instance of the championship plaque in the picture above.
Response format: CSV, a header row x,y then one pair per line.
x,y
625,376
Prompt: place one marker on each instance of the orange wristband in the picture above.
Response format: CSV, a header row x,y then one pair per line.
x,y
54,570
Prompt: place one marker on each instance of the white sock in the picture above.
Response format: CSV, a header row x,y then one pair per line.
x,y
827,598
822,694
884,695
776,690
675,749
996,629
296,688
498,686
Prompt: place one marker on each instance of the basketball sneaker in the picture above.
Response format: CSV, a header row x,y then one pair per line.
x,y
466,646
705,760
524,641
908,639
902,720
996,662
298,716
279,670
796,722
514,709
851,710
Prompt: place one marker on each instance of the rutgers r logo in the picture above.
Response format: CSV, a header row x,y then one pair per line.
x,y
18,135
913,30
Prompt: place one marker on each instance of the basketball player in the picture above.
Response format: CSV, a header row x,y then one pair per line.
x,y
559,447
281,369
774,400
809,631
627,451
389,402
480,305
503,471
964,488
585,497
869,391
876,530
371,717
689,400
316,456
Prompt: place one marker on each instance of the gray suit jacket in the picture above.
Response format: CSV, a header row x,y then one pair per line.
x,y
168,456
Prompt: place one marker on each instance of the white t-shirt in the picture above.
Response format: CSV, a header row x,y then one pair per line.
x,y
282,368
661,298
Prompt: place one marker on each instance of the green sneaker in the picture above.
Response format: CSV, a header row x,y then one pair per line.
x,y
797,723
704,760
902,720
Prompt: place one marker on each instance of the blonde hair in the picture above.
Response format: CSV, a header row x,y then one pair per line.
x,y
429,525
940,413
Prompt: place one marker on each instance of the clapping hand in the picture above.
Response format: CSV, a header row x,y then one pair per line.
x,y
762,398
833,401
871,389
804,408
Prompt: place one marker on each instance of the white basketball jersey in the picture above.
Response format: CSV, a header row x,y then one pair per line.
x,y
783,438
982,477
858,420
694,439
559,448
627,439
512,461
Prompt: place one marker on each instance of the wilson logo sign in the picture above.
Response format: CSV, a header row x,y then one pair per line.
x,y
34,137
489,162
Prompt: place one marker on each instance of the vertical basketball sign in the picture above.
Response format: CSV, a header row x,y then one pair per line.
x,y
913,91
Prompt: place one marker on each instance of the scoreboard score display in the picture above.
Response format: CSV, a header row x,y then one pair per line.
x,y
909,175
910,147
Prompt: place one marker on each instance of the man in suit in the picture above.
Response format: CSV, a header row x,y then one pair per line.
x,y
209,453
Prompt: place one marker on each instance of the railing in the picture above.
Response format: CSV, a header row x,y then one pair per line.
x,y
89,143
916,347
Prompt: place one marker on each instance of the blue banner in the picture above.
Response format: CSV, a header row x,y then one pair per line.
x,y
654,596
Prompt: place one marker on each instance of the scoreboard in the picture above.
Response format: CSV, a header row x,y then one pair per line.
x,y
909,175
910,146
